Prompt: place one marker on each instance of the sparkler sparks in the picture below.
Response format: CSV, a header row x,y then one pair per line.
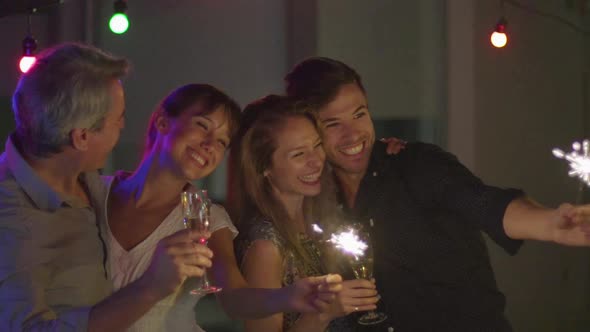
x,y
346,241
579,160
317,228
349,243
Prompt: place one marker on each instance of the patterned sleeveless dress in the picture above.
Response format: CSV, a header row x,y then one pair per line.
x,y
261,229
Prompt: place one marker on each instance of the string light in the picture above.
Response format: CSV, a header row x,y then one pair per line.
x,y
119,23
499,38
29,46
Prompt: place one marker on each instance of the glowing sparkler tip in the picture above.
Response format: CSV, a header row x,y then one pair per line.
x,y
349,243
579,162
317,228
576,146
558,153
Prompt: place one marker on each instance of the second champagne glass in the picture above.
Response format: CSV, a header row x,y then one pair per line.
x,y
362,266
196,210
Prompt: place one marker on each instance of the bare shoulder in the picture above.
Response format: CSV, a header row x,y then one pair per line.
x,y
263,264
264,252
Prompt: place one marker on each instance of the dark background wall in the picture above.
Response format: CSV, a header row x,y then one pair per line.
x,y
430,72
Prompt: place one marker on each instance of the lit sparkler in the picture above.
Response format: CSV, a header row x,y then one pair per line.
x,y
346,241
579,160
349,243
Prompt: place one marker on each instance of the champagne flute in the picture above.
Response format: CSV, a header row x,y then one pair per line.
x,y
196,210
362,267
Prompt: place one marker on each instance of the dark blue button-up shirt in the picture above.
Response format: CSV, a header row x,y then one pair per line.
x,y
425,212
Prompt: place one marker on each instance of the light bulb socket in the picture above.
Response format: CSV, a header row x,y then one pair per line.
x,y
120,6
501,25
29,45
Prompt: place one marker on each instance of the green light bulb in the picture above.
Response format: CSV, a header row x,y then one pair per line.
x,y
119,23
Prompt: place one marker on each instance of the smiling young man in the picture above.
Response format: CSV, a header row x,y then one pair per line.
x,y
425,212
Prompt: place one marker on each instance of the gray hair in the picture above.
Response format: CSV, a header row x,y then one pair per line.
x,y
68,87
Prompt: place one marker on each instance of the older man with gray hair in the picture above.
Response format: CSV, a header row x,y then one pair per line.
x,y
69,110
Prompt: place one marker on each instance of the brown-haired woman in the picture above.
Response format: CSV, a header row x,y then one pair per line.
x,y
280,161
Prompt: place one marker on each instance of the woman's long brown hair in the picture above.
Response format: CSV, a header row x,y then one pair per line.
x,y
260,122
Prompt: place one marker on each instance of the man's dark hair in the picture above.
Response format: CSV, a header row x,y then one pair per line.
x,y
317,80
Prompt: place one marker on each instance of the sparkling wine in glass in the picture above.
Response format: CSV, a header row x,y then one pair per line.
x,y
196,210
362,267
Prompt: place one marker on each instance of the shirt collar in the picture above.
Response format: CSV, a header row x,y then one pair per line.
x,y
42,195
377,166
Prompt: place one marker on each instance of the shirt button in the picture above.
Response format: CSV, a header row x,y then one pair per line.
x,y
374,173
371,222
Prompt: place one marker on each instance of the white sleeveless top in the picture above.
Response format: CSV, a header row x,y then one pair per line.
x,y
175,312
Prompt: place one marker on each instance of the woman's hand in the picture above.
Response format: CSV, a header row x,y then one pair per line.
x,y
394,145
176,258
356,295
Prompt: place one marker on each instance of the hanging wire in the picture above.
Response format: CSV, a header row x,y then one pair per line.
x,y
20,7
556,18
29,43
29,32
